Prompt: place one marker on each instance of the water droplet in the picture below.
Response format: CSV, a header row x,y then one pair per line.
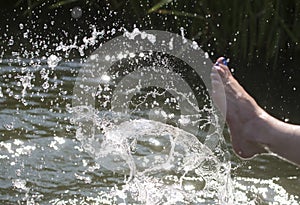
x,y
45,85
1,94
53,61
76,12
25,35
9,126
206,55
11,42
105,78
21,26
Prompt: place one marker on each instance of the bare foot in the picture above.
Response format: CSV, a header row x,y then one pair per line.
x,y
243,115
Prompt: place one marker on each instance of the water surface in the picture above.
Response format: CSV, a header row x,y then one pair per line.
x,y
46,160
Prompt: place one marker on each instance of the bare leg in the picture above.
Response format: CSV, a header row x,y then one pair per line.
x,y
253,131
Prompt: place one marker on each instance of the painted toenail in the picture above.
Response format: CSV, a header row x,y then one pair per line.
x,y
225,61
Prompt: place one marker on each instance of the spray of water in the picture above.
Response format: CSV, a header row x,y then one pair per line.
x,y
142,112
162,163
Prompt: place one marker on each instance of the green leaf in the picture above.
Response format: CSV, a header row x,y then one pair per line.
x,y
159,5
61,3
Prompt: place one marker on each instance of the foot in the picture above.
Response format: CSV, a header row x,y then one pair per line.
x,y
243,115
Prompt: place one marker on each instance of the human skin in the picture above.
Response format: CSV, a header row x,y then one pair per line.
x,y
253,131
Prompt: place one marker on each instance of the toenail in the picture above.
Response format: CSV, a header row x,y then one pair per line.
x,y
224,61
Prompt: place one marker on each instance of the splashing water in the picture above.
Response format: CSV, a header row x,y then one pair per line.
x,y
53,61
161,164
156,163
145,156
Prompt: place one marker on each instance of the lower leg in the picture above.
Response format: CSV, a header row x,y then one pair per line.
x,y
253,131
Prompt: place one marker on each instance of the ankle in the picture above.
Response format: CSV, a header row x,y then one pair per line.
x,y
258,129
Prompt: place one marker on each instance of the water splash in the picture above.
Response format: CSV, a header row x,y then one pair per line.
x,y
161,164
135,165
45,163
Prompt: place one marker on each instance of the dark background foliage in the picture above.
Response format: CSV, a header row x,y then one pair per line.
x,y
261,37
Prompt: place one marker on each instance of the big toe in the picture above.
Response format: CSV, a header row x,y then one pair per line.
x,y
221,60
